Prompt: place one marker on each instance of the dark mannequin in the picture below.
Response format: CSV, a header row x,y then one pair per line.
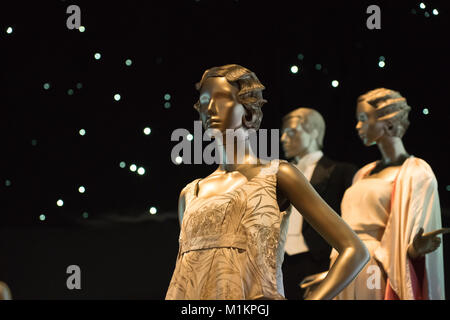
x,y
221,107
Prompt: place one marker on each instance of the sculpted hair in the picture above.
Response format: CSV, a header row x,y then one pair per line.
x,y
250,90
390,105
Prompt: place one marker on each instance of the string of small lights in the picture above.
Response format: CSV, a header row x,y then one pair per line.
x,y
115,64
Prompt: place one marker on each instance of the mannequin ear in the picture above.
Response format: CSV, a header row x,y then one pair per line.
x,y
249,118
389,128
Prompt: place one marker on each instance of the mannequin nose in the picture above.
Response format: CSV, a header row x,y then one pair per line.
x,y
358,125
211,110
283,137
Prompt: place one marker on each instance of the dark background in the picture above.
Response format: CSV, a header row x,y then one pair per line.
x,y
123,251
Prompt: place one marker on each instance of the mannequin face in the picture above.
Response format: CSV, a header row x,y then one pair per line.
x,y
219,107
296,141
370,130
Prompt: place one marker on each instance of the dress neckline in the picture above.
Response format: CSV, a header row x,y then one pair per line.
x,y
367,174
225,193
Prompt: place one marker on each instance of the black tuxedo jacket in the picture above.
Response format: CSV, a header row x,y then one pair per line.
x,y
330,179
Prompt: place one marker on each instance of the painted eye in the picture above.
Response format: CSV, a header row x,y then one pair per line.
x,y
204,98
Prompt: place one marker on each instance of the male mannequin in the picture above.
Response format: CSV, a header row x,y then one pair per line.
x,y
307,253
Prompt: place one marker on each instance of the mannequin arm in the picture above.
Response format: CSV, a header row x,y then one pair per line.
x,y
181,206
353,254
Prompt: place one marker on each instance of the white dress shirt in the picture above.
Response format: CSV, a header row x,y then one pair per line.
x,y
295,243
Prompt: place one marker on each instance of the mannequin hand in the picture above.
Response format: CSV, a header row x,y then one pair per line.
x,y
313,279
311,282
425,243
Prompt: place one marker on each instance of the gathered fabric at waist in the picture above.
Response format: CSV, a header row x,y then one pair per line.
x,y
213,241
370,235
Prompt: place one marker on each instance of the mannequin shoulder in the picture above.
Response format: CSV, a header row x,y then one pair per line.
x,y
288,174
419,169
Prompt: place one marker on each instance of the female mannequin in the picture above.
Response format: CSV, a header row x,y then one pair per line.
x,y
232,229
390,204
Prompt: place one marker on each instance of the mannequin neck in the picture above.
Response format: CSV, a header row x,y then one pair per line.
x,y
392,149
312,148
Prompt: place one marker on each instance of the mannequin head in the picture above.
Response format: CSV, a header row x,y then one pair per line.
x,y
381,113
303,131
230,98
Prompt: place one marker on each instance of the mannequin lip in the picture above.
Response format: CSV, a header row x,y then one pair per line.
x,y
212,120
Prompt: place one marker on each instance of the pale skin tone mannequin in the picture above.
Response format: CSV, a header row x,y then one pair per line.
x,y
220,109
296,142
372,131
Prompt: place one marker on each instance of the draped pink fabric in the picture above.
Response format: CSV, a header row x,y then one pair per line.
x,y
414,205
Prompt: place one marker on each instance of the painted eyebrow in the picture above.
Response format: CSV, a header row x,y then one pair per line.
x,y
222,94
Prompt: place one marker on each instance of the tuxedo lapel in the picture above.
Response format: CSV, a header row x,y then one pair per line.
x,y
319,180
321,174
